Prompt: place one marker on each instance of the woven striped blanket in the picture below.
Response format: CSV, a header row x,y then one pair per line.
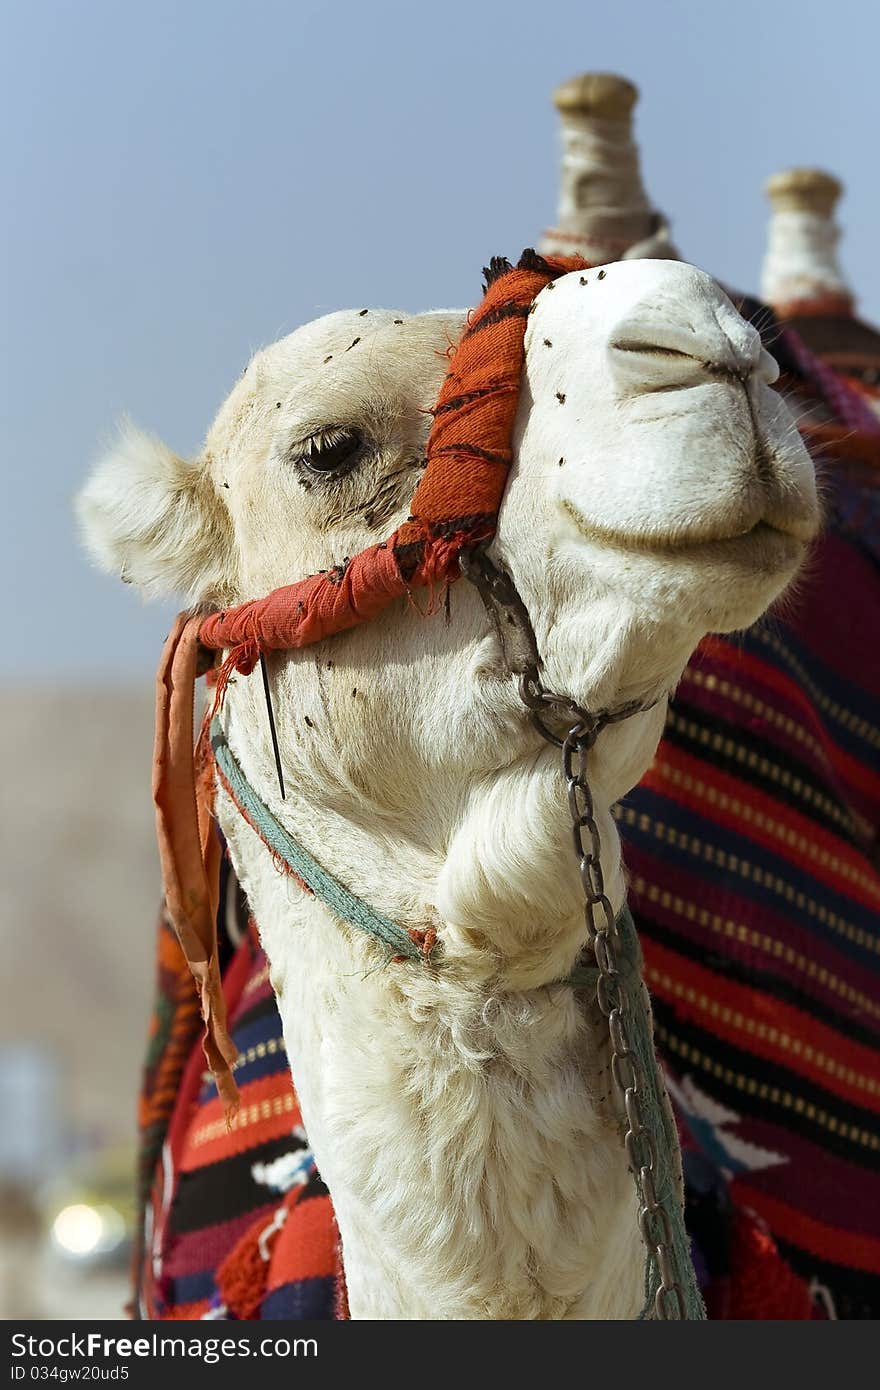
x,y
237,1224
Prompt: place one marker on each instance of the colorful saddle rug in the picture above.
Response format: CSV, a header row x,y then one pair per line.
x,y
752,849
238,1224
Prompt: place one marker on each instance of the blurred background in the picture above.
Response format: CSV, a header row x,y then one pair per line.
x,y
186,182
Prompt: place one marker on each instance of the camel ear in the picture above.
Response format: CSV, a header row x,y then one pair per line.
x,y
156,521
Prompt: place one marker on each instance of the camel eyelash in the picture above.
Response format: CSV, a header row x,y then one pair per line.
x,y
330,452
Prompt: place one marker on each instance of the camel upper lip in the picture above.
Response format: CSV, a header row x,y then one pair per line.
x,y
796,528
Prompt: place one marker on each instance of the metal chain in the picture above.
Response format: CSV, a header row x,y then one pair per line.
x,y
575,732
641,1149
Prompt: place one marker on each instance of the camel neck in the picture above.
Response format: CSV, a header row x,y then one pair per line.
x,y
401,944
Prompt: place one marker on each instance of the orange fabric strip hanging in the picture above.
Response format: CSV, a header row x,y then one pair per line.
x,y
189,851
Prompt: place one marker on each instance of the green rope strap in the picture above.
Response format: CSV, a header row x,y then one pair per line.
x,y
658,1118
297,858
398,943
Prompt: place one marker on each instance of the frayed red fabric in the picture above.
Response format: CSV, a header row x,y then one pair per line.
x,y
300,614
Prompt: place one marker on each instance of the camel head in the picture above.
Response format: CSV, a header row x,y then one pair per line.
x,y
659,491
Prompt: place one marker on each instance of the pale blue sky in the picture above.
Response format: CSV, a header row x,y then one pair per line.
x,y
186,181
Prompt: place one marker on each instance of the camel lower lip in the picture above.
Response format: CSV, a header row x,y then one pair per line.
x,y
761,535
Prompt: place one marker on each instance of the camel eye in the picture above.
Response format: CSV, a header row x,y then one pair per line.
x,y
334,450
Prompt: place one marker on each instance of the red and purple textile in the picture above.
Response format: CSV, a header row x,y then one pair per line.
x,y
237,1223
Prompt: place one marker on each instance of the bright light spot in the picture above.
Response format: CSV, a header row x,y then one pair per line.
x,y
78,1229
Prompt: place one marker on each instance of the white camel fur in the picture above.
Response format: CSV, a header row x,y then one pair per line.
x,y
659,491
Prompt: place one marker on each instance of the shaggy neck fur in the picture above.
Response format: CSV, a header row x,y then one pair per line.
x,y
460,1115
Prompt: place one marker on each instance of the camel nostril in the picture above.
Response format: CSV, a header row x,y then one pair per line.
x,y
642,365
652,350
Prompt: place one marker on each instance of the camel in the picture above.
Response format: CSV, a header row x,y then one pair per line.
x,y
659,490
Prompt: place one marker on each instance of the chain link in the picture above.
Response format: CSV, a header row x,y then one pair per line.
x,y
603,937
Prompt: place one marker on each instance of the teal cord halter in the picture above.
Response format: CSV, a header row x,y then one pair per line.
x,y
399,944
297,858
